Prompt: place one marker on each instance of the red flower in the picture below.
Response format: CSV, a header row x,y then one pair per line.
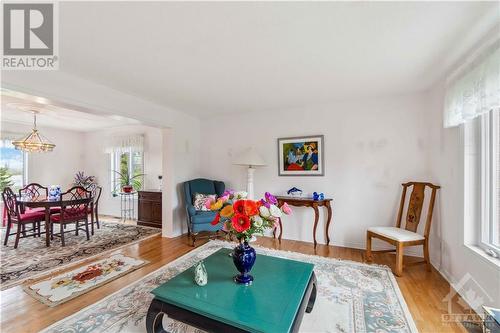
x,y
216,219
246,207
240,222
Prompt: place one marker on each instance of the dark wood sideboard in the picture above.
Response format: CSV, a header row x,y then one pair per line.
x,y
149,212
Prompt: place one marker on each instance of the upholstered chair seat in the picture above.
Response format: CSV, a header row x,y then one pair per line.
x,y
397,234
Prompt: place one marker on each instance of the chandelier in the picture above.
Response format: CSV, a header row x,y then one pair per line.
x,y
34,142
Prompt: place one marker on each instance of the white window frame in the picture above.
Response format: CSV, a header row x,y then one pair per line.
x,y
490,127
115,160
25,164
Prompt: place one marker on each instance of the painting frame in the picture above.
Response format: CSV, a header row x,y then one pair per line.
x,y
301,143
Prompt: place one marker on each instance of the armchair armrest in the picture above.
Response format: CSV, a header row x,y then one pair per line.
x,y
191,210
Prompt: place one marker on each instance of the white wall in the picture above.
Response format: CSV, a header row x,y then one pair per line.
x,y
448,251
371,147
59,166
97,161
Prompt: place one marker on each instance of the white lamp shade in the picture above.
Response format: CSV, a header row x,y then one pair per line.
x,y
249,157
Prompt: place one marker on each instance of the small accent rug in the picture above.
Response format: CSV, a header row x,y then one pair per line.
x,y
32,258
352,297
69,285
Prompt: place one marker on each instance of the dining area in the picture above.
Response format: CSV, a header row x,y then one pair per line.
x,y
36,212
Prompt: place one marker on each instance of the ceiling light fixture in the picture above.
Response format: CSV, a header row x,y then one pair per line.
x,y
34,142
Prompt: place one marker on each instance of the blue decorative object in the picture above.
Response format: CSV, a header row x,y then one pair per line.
x,y
318,196
244,258
54,192
294,192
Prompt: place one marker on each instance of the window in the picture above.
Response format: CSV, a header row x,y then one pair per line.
x,y
127,167
13,164
490,182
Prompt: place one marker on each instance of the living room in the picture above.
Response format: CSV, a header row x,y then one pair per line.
x,y
352,122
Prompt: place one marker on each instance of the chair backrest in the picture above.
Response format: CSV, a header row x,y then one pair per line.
x,y
34,191
96,191
204,186
76,201
10,203
415,205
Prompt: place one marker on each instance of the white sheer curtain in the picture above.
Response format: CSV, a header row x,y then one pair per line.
x,y
126,143
475,88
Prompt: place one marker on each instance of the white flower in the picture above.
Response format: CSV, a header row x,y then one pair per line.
x,y
275,211
240,195
264,212
257,220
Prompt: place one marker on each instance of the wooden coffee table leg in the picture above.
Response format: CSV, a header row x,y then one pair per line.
x,y
312,298
154,318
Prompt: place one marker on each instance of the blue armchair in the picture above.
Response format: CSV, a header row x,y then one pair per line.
x,y
200,220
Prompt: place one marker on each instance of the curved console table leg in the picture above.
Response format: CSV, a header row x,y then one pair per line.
x,y
329,219
281,230
316,219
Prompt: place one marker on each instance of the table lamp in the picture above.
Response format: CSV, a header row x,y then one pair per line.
x,y
251,159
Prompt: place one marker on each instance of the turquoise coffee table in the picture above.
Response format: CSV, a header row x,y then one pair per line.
x,y
276,301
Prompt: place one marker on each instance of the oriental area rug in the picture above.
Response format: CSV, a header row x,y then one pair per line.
x,y
66,286
32,258
352,297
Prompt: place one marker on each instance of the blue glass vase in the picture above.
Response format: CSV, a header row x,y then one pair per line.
x,y
244,258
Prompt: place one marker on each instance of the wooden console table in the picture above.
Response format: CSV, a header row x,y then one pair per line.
x,y
314,204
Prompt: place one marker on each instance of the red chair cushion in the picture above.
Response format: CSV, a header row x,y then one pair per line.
x,y
70,215
55,210
39,209
32,216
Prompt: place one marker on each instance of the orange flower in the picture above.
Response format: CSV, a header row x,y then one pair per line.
x,y
227,211
246,207
216,205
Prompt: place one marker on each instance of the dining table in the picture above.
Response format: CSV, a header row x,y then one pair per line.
x,y
48,203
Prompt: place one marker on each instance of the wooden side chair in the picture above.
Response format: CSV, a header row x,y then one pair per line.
x,y
14,216
75,205
96,195
407,236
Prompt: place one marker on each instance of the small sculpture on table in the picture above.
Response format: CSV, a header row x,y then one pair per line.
x,y
200,274
318,196
294,192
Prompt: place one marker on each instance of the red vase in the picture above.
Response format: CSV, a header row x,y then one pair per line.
x,y
127,189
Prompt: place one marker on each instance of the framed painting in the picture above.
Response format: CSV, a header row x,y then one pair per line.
x,y
301,156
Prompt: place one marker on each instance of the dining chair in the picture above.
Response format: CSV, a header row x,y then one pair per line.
x,y
75,205
14,216
407,236
96,195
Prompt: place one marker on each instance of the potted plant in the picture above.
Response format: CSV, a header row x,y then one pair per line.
x,y
129,183
82,180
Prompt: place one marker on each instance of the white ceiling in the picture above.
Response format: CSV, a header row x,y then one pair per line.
x,y
16,109
223,57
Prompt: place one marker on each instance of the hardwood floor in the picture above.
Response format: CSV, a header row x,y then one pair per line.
x,y
422,290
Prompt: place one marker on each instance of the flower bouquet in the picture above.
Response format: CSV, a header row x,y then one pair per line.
x,y
243,218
